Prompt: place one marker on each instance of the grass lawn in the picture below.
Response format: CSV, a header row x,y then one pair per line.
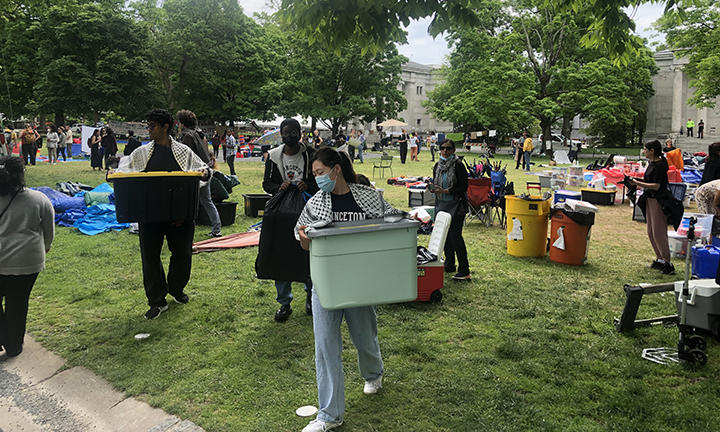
x,y
526,345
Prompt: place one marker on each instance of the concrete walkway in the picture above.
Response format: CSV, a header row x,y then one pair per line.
x,y
39,393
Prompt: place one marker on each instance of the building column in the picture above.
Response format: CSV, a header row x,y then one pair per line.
x,y
677,101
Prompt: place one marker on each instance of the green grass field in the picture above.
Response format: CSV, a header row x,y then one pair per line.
x,y
528,344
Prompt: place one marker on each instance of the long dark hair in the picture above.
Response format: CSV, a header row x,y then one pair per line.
x,y
12,175
714,151
656,147
330,157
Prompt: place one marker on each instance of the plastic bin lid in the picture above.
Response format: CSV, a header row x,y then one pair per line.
x,y
369,225
120,175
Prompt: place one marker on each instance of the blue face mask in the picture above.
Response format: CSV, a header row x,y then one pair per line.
x,y
325,183
443,158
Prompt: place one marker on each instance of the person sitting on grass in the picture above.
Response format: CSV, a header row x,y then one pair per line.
x,y
163,153
340,199
27,229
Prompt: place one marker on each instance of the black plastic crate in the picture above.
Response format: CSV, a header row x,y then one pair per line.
x,y
226,210
255,203
156,196
598,197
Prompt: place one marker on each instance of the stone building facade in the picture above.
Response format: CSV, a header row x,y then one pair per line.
x,y
416,81
668,109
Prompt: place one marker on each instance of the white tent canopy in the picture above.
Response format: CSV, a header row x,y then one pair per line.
x,y
87,132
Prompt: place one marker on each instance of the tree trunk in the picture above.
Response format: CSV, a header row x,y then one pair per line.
x,y
313,125
59,118
567,129
545,124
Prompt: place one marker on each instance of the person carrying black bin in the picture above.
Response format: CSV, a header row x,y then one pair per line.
x,y
163,153
288,166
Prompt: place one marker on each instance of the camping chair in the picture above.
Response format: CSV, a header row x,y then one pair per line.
x,y
479,194
534,185
385,162
498,196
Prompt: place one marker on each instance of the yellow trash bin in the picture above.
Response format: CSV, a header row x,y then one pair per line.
x,y
527,225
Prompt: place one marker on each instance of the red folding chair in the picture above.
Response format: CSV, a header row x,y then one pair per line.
x,y
479,200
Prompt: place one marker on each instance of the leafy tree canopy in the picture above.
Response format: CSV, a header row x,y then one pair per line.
x,y
695,32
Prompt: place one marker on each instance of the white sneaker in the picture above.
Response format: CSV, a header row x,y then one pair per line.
x,y
320,426
372,387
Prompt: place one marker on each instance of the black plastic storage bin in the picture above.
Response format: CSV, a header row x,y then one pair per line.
x,y
226,210
156,196
420,197
598,197
255,203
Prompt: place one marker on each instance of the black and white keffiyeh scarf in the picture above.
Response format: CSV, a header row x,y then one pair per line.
x,y
318,210
445,167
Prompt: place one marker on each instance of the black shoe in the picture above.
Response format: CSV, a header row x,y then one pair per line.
x,y
182,299
283,313
214,235
460,276
657,265
155,311
668,269
308,305
14,353
450,269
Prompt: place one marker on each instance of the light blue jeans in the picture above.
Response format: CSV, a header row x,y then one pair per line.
x,y
527,160
362,325
284,291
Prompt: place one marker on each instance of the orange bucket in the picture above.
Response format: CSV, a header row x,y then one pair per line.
x,y
574,228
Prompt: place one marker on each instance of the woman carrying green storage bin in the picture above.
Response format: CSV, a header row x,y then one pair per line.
x,y
340,199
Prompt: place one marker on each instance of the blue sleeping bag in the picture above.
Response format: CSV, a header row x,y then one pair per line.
x,y
692,176
60,201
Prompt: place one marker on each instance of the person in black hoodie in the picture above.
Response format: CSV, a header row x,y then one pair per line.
x,y
712,164
132,144
450,183
290,164
655,184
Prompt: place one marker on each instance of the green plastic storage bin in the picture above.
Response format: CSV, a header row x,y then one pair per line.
x,y
364,263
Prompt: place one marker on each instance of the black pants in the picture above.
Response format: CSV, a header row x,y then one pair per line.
x,y
403,152
519,160
61,151
689,131
230,159
28,153
455,245
179,239
14,296
432,153
701,131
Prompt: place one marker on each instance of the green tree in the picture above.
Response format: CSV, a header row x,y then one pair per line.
x,y
90,61
486,82
696,33
372,23
335,87
207,56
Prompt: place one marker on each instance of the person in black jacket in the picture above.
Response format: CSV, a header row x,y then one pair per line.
x,y
450,183
712,164
290,164
132,144
655,184
403,144
190,137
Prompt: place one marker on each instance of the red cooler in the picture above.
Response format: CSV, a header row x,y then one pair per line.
x,y
570,236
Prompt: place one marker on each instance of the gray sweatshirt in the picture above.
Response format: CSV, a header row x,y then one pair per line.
x,y
26,232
